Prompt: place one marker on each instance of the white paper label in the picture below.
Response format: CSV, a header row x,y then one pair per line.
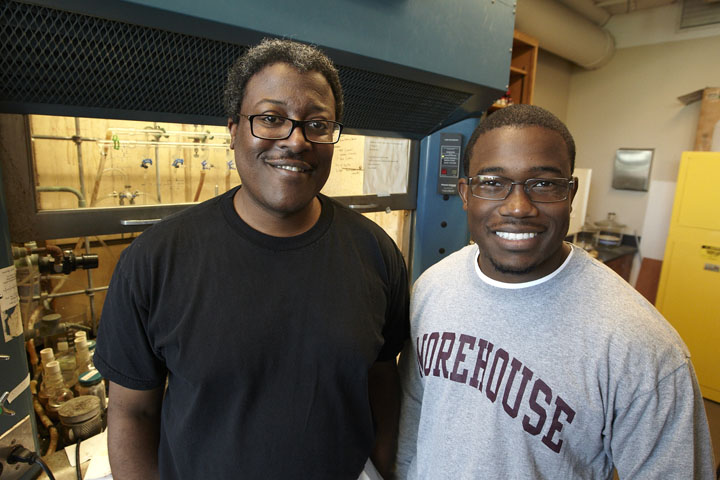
x,y
10,319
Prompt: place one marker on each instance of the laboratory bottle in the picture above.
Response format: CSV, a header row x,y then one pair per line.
x,y
92,383
46,356
66,359
83,362
57,392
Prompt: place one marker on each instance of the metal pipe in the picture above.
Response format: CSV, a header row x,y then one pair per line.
x,y
174,144
179,133
81,168
131,142
91,292
100,171
74,191
157,170
81,174
87,291
59,137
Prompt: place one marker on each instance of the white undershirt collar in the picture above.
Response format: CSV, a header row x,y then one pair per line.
x,y
531,283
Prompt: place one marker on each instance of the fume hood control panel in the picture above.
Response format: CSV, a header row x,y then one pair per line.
x,y
450,163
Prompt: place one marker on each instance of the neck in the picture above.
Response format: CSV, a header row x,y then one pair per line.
x,y
274,223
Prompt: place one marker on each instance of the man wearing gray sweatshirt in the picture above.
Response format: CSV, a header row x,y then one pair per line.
x,y
527,357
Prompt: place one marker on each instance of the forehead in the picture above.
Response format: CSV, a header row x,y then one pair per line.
x,y
283,84
524,149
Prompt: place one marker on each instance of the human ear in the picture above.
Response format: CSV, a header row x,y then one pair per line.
x,y
232,126
463,191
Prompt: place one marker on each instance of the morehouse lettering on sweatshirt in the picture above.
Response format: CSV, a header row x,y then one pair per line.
x,y
479,364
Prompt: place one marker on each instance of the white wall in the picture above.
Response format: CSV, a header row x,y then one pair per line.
x,y
552,84
632,103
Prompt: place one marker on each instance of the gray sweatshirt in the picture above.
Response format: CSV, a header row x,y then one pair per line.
x,y
564,377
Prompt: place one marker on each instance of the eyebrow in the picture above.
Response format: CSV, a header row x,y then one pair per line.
x,y
315,108
500,170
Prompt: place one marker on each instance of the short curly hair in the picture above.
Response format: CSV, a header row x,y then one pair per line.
x,y
305,58
521,115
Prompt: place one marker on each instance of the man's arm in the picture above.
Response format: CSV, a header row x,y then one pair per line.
x,y
384,391
410,408
134,432
664,433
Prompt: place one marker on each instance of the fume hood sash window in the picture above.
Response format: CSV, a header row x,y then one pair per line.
x,y
93,176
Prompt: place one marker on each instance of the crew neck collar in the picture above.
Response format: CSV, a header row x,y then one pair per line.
x,y
278,243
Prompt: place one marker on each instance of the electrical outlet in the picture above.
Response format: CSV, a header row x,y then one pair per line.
x,y
20,434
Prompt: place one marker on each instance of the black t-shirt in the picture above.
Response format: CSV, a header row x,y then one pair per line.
x,y
266,342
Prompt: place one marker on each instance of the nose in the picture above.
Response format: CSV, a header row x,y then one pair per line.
x,y
296,141
518,204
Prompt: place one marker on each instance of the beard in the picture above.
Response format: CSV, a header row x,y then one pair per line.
x,y
504,269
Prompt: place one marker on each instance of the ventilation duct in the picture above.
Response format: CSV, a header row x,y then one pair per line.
x,y
588,9
565,33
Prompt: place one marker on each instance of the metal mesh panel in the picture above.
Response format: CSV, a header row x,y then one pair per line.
x,y
53,57
382,102
697,13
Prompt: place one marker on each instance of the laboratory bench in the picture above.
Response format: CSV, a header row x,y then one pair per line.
x,y
619,258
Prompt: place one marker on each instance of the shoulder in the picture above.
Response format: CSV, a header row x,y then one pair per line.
x,y
349,222
348,216
462,258
452,269
637,334
180,231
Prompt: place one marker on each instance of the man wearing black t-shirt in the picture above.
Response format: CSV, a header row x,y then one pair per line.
x,y
273,313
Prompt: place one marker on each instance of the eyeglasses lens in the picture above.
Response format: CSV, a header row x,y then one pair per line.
x,y
271,127
490,187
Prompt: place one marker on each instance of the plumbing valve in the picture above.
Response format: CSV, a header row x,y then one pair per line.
x,y
177,162
69,262
146,162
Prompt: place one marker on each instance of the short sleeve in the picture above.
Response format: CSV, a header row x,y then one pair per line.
x,y
397,323
124,354
410,410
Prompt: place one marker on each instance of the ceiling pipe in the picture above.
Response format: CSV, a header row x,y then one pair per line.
x,y
590,10
565,33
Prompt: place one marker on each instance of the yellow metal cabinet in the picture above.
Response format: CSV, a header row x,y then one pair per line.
x,y
689,289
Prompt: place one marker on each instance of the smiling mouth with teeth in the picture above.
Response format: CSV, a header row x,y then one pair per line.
x,y
291,168
515,236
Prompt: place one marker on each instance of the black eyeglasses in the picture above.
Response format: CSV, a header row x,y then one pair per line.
x,y
540,190
274,127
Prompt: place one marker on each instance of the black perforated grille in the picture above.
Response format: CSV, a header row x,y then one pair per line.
x,y
388,103
53,57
